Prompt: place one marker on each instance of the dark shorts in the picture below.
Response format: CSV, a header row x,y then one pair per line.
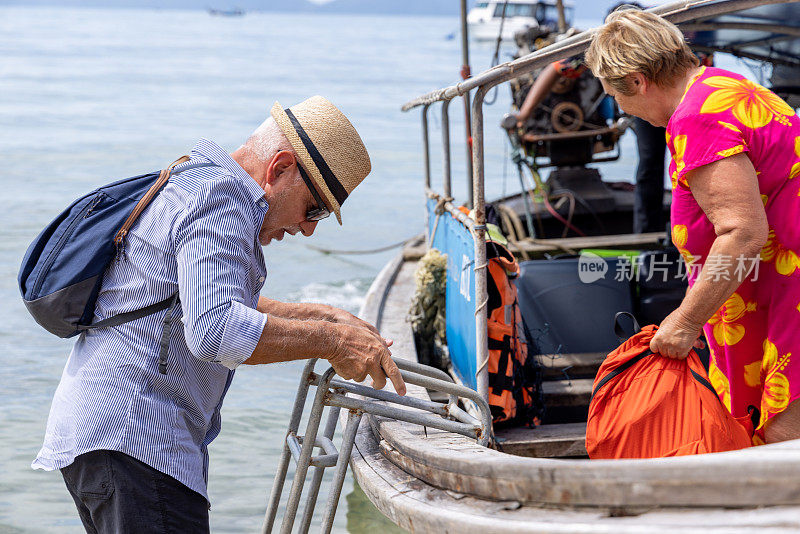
x,y
116,493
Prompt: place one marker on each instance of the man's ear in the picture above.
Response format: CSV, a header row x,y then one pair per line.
x,y
280,163
639,83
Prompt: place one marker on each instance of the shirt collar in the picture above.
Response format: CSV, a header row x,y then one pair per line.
x,y
211,151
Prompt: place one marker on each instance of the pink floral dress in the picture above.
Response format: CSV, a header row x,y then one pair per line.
x,y
755,336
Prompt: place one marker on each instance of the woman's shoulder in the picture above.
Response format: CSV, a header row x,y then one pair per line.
x,y
705,82
726,98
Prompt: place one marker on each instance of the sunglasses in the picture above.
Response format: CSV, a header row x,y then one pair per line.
x,y
320,212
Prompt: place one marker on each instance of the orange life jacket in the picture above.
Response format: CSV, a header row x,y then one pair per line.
x,y
514,375
645,405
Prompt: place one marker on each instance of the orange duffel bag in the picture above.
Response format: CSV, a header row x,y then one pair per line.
x,y
645,405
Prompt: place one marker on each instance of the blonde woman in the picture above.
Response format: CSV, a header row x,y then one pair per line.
x,y
735,211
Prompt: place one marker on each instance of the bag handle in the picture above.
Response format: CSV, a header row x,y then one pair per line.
x,y
620,331
146,199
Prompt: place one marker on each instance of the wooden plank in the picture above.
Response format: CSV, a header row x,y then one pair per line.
x,y
546,441
569,244
567,392
576,365
577,243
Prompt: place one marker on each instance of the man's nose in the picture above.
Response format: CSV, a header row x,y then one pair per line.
x,y
307,227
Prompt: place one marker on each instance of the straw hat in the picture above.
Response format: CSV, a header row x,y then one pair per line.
x,y
328,147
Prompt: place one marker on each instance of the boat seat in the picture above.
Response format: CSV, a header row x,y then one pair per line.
x,y
562,314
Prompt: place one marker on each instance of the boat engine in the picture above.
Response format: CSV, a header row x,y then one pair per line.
x,y
570,125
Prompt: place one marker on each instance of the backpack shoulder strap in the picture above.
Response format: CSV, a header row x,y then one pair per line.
x,y
120,318
146,199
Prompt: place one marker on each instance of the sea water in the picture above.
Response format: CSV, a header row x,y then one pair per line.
x,y
90,96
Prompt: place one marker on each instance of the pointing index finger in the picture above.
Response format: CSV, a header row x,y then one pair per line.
x,y
394,374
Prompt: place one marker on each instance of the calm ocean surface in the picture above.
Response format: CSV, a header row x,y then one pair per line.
x,y
89,96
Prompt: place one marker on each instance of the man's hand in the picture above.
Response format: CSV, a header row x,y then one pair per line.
x,y
676,336
361,352
338,315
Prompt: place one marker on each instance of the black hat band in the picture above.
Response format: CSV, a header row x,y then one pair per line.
x,y
334,186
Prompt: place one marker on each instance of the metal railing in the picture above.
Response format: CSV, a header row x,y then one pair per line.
x,y
333,393
676,12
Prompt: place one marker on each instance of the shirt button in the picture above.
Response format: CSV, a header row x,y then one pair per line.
x,y
261,279
262,204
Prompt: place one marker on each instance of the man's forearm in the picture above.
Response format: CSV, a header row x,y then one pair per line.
x,y
300,311
285,340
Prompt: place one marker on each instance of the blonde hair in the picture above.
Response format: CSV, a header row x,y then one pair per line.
x,y
638,41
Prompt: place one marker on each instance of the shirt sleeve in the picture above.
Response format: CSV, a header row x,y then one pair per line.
x,y
702,138
214,245
571,67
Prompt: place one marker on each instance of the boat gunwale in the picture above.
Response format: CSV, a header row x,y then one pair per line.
x,y
769,478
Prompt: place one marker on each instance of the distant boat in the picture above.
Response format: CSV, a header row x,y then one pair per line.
x,y
234,12
485,18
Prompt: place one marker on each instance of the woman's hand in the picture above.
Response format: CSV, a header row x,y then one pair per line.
x,y
676,336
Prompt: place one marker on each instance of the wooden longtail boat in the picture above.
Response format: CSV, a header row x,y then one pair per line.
x,y
540,479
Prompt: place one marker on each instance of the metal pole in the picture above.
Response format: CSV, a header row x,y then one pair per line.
x,y
353,419
425,146
305,454
313,490
479,235
466,73
283,464
464,40
446,149
562,18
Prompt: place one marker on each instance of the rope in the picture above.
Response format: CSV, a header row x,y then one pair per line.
x,y
367,251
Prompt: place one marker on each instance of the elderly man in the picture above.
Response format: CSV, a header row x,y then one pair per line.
x,y
129,436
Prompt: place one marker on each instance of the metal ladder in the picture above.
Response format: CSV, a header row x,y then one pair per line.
x,y
332,392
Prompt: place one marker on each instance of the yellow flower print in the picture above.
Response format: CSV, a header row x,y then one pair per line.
x,y
752,105
725,328
677,157
764,200
738,149
752,374
729,126
775,396
796,167
720,383
786,260
680,235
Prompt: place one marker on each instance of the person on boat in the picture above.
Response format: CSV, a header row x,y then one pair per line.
x,y
648,202
132,442
735,149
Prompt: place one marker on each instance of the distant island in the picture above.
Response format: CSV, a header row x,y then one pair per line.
x,y
586,9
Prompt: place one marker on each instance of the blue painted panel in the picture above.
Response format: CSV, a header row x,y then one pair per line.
x,y
456,241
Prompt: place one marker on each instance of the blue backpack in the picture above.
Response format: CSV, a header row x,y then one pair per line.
x,y
63,268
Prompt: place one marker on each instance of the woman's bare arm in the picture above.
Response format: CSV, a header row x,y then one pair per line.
x,y
727,191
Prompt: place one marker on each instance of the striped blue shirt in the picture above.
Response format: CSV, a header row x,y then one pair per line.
x,y
198,237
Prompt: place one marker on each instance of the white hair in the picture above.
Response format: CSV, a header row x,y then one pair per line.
x,y
267,140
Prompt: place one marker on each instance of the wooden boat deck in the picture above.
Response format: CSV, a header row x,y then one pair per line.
x,y
427,480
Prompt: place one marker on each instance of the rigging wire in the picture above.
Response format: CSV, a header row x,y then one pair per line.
x,y
487,100
366,251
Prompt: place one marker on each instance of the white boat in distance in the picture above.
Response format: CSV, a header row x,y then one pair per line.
x,y
485,17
